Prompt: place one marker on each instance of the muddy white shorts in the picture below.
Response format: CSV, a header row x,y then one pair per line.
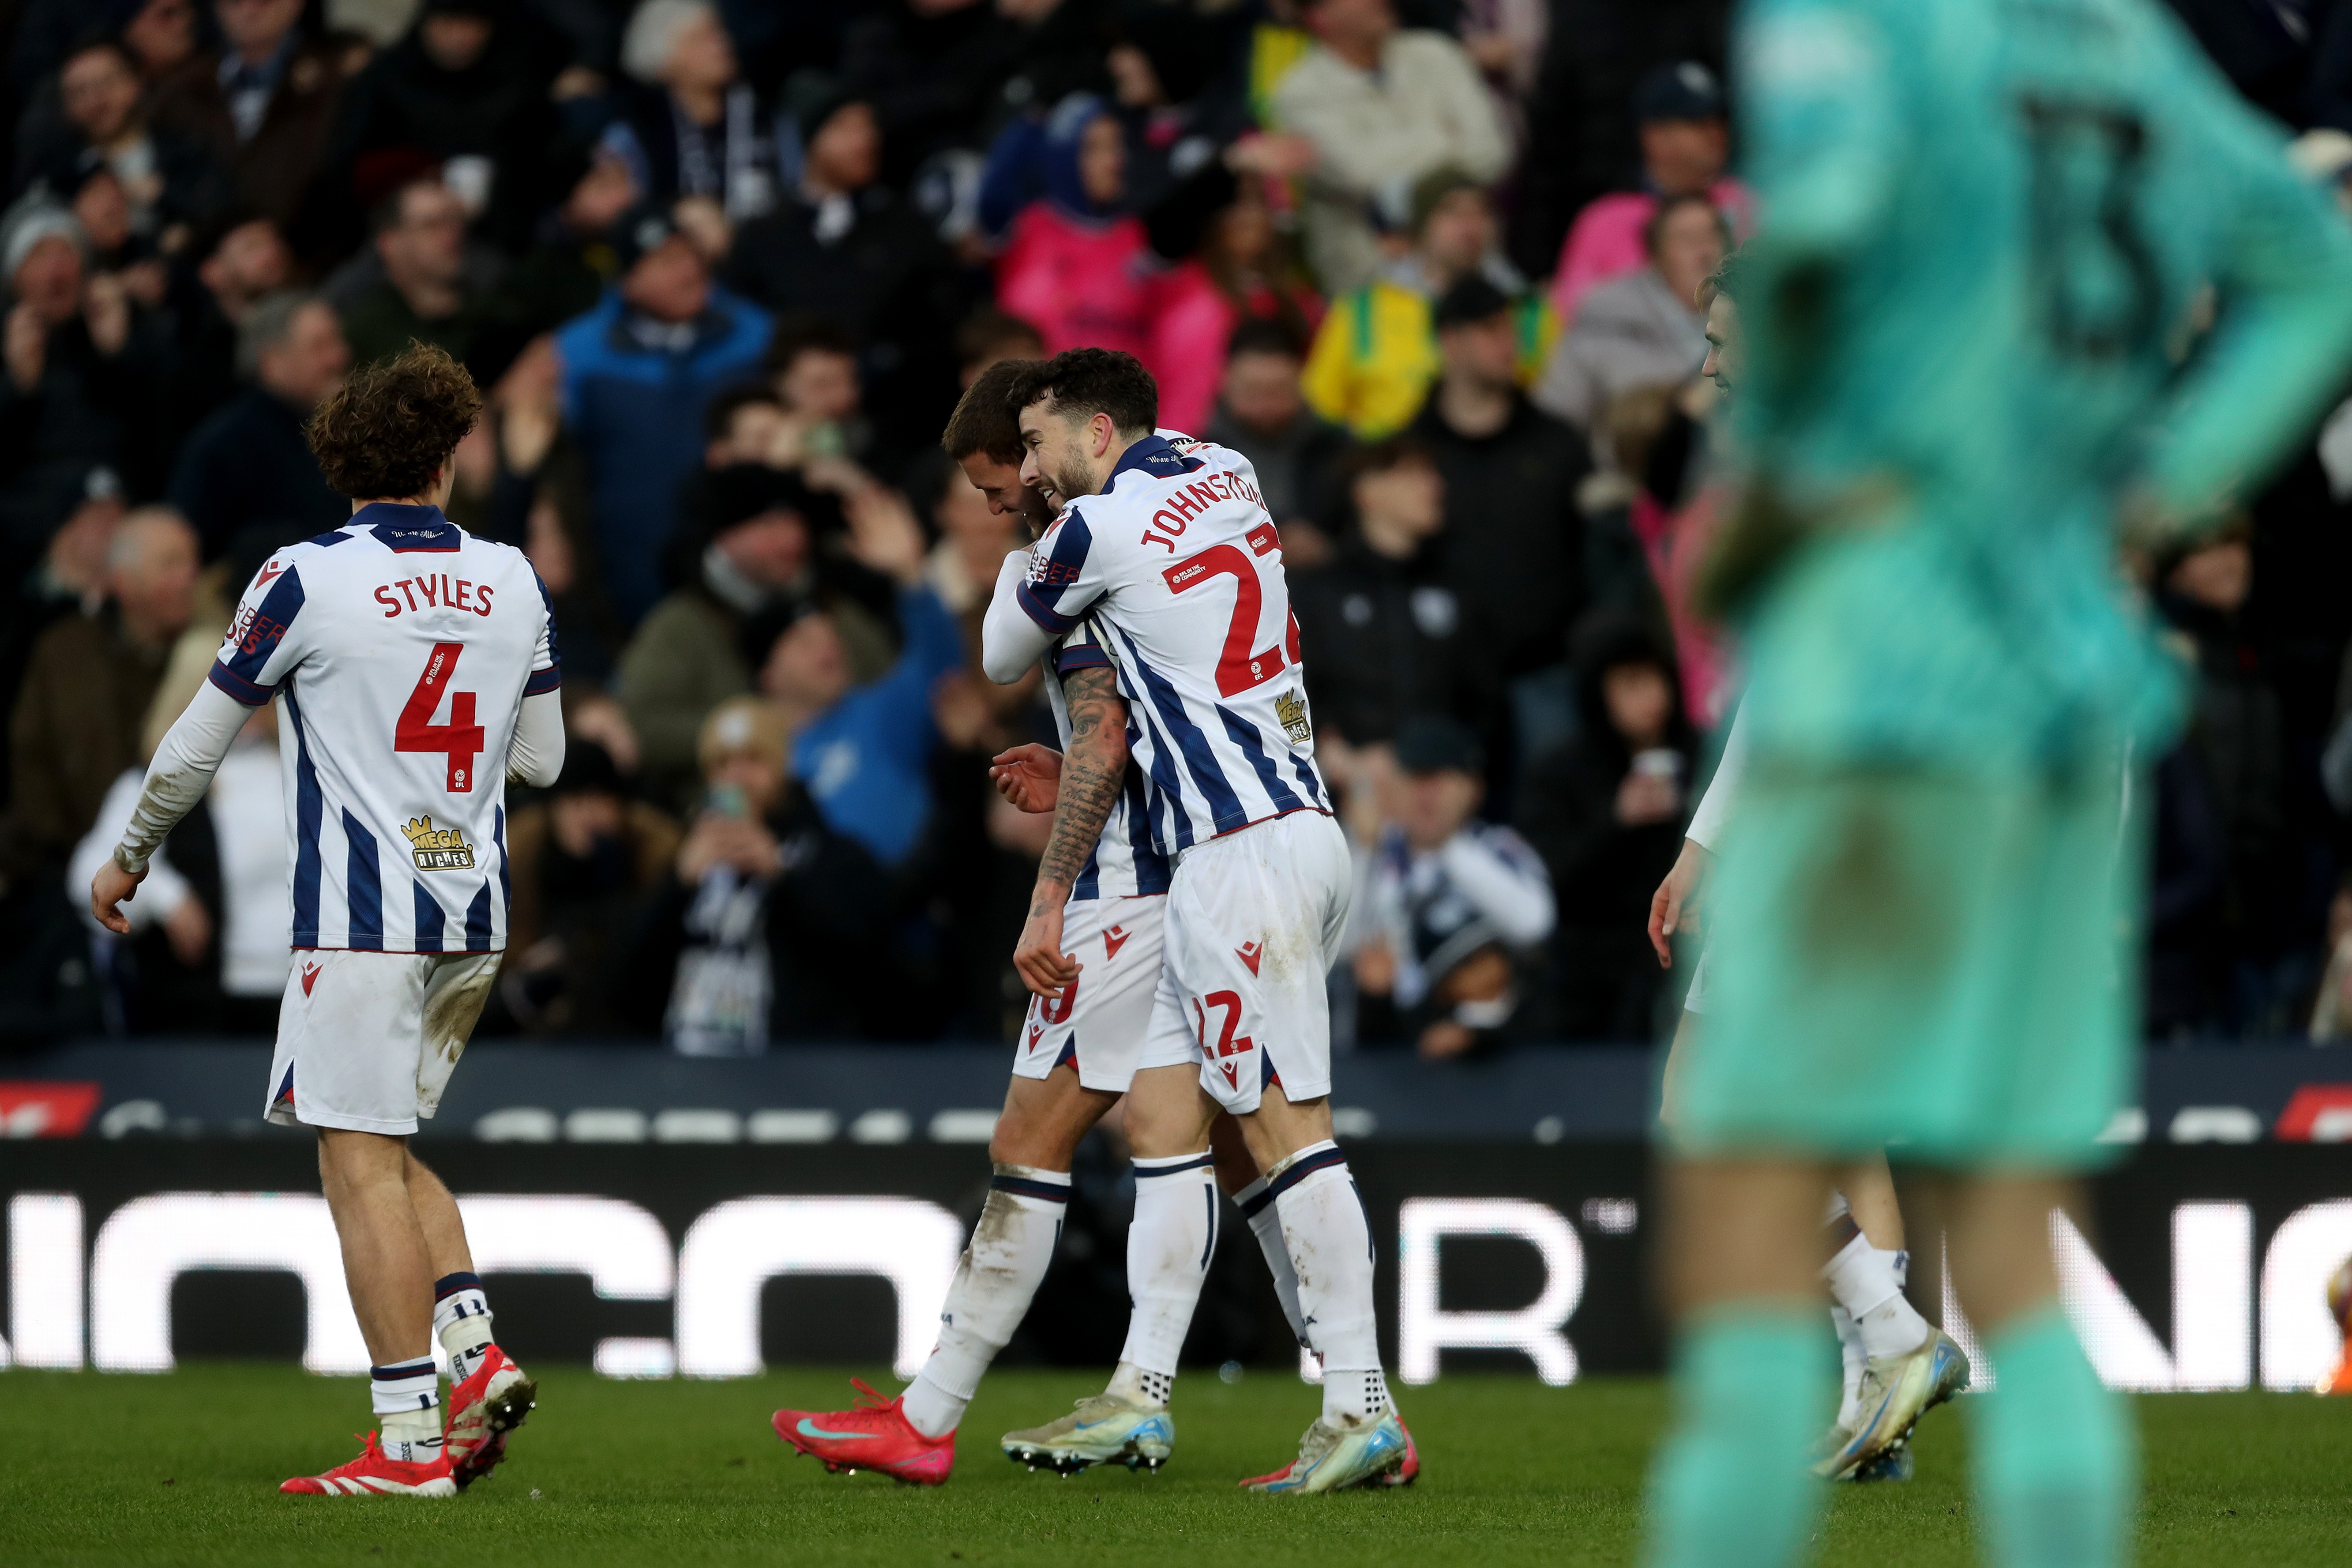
x,y
366,1041
1255,920
1098,1024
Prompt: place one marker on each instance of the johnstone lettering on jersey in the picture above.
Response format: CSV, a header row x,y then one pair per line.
x,y
442,849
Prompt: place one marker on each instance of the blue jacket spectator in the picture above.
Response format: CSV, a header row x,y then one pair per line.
x,y
863,754
638,371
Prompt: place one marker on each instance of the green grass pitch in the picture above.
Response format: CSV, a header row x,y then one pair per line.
x,y
183,1469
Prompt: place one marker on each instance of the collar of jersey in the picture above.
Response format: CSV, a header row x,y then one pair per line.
x,y
401,527
1155,457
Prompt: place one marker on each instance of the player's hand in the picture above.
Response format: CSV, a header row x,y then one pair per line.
x,y
1029,776
1674,906
111,887
1045,968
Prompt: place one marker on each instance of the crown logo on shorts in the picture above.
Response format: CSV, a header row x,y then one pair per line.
x,y
1291,709
438,849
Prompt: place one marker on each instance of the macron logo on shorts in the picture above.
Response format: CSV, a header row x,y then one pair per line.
x,y
1249,952
1113,939
310,973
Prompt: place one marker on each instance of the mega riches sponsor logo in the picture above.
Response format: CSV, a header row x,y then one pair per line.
x,y
438,849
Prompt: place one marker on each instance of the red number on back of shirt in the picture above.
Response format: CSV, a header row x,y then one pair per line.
x,y
1238,669
460,739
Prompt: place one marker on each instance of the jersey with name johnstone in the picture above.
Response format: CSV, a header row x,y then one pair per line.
x,y
1180,568
400,648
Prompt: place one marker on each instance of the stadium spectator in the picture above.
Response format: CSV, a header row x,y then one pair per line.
x,y
208,956
231,263
420,236
691,127
1237,269
167,178
567,264
82,363
1684,146
1376,354
586,860
1451,906
989,335
1076,260
1645,329
770,924
77,721
1262,415
843,245
58,569
263,104
813,366
864,753
1515,543
1388,638
1374,108
160,34
638,371
247,471
1605,809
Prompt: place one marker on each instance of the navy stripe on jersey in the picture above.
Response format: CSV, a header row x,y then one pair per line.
x,y
1154,456
543,681
550,678
1151,875
1089,882
1041,595
1244,736
432,919
324,540
1164,784
1071,657
363,886
506,872
309,806
1306,772
263,633
1225,807
477,921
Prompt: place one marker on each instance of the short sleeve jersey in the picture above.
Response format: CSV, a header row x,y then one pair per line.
x,y
400,648
1179,569
1989,231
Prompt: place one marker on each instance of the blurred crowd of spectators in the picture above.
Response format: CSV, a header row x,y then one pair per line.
x,y
722,267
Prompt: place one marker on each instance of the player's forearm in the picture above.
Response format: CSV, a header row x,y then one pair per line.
x,y
1091,777
182,772
1011,642
535,755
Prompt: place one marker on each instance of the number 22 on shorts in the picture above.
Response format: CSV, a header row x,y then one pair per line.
x,y
460,739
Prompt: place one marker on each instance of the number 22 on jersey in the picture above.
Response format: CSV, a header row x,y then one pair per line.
x,y
1238,669
461,740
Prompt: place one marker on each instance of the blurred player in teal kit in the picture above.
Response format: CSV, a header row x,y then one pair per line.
x,y
1991,229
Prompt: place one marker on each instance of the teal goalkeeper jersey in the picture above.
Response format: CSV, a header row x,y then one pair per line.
x,y
1992,232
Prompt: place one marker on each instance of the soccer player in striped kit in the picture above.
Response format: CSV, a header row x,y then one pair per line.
x,y
415,670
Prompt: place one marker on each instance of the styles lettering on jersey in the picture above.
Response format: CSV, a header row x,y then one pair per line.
x,y
438,592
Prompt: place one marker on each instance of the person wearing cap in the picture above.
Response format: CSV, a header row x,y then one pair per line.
x,y
1520,553
1375,106
1452,905
81,363
1376,352
638,371
584,860
1685,145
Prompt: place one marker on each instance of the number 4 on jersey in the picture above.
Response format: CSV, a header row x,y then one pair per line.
x,y
460,739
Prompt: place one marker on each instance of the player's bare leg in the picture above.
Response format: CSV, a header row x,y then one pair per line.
x,y
912,1438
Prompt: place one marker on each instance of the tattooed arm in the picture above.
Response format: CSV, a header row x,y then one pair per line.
x,y
1091,772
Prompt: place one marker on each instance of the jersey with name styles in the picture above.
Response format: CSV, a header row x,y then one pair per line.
x,y
1179,569
401,647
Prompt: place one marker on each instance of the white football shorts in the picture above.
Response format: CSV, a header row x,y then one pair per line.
x,y
1098,1022
1254,922
366,1041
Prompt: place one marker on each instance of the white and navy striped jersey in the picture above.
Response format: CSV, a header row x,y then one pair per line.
x,y
1125,862
400,648
1179,569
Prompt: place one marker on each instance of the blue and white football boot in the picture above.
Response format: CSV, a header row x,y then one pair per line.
x,y
1331,1458
1104,1429
1896,1392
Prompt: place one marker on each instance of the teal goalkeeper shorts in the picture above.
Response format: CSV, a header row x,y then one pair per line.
x,y
1940,964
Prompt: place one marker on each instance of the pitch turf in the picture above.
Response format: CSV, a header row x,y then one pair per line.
x,y
182,1469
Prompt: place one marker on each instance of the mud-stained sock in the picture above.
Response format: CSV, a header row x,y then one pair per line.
x,y
461,1321
1011,1248
406,1398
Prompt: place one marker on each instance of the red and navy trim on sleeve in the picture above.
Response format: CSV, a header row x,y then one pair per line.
x,y
1041,593
238,671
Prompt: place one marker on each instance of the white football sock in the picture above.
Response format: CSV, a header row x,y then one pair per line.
x,y
1168,1249
407,1402
461,1321
1850,1360
1258,1206
1330,1247
1137,1386
1863,1281
1011,1248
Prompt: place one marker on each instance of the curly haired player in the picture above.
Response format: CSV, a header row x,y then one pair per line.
x,y
401,651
